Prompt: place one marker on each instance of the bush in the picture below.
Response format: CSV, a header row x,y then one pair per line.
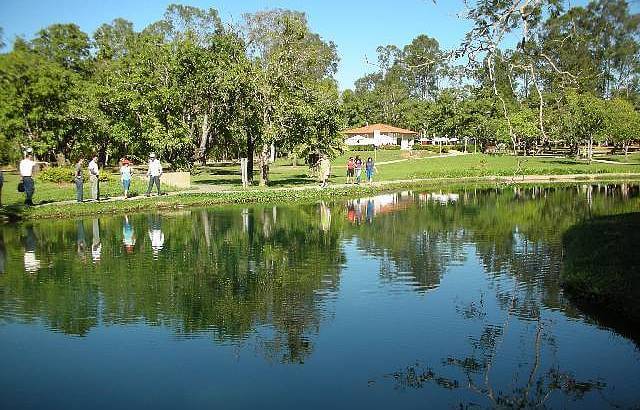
x,y
420,147
67,174
361,148
390,147
56,174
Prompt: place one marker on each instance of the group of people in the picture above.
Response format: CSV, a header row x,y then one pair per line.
x,y
355,166
154,171
354,169
27,183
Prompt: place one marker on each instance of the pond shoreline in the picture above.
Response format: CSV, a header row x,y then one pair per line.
x,y
307,193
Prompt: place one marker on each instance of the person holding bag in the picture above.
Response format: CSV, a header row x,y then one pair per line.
x,y
27,185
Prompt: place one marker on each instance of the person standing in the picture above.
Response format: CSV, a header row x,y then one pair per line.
x,y
79,180
26,176
94,178
154,173
358,169
125,177
350,165
325,171
370,167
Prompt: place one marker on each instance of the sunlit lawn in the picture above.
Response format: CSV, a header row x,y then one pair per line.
x,y
224,177
470,165
631,158
54,192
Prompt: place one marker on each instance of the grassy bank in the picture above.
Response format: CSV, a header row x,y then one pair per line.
x,y
602,265
269,195
221,184
47,192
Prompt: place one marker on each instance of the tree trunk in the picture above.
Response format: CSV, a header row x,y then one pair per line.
x,y
250,150
204,139
264,165
590,149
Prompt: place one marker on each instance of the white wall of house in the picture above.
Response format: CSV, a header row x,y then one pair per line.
x,y
379,139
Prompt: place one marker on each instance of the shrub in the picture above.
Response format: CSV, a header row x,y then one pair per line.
x,y
390,147
421,147
67,174
56,174
361,148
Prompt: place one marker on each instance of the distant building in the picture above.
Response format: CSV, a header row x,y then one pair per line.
x,y
379,135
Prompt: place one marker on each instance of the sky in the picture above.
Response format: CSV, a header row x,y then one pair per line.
x,y
357,27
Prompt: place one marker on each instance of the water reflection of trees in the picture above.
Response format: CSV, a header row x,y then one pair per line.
x,y
218,272
230,272
513,231
517,239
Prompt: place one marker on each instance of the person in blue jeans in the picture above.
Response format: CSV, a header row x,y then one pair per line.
x,y
125,177
370,167
79,180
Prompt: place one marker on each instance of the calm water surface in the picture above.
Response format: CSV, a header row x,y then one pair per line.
x,y
404,300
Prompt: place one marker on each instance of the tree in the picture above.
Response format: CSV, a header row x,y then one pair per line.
x,y
425,64
287,62
584,119
622,122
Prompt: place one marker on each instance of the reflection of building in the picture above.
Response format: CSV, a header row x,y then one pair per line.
x,y
379,135
439,197
359,209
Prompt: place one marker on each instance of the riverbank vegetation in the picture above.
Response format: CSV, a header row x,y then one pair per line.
x,y
194,88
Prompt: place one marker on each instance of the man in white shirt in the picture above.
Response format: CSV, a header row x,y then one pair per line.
x,y
26,176
154,172
94,178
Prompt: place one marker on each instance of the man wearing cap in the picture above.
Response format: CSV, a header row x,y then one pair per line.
x,y
94,178
26,176
154,172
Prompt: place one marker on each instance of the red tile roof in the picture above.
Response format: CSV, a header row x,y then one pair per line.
x,y
383,128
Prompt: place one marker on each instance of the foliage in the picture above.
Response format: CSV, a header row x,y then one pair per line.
x,y
390,147
362,147
56,174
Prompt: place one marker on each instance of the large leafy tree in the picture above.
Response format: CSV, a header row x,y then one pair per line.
x,y
287,66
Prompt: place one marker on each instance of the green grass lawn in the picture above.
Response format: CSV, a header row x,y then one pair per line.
x,y
471,165
632,158
226,177
379,155
53,192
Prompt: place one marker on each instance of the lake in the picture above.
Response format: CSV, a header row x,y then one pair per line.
x,y
402,300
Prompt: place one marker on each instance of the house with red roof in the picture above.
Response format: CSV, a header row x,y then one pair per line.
x,y
379,135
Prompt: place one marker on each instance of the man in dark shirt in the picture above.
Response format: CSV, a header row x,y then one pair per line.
x,y
79,180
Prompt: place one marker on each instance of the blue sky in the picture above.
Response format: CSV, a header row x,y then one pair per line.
x,y
356,26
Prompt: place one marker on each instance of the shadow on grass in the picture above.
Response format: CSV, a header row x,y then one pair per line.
x,y
564,162
295,180
233,181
